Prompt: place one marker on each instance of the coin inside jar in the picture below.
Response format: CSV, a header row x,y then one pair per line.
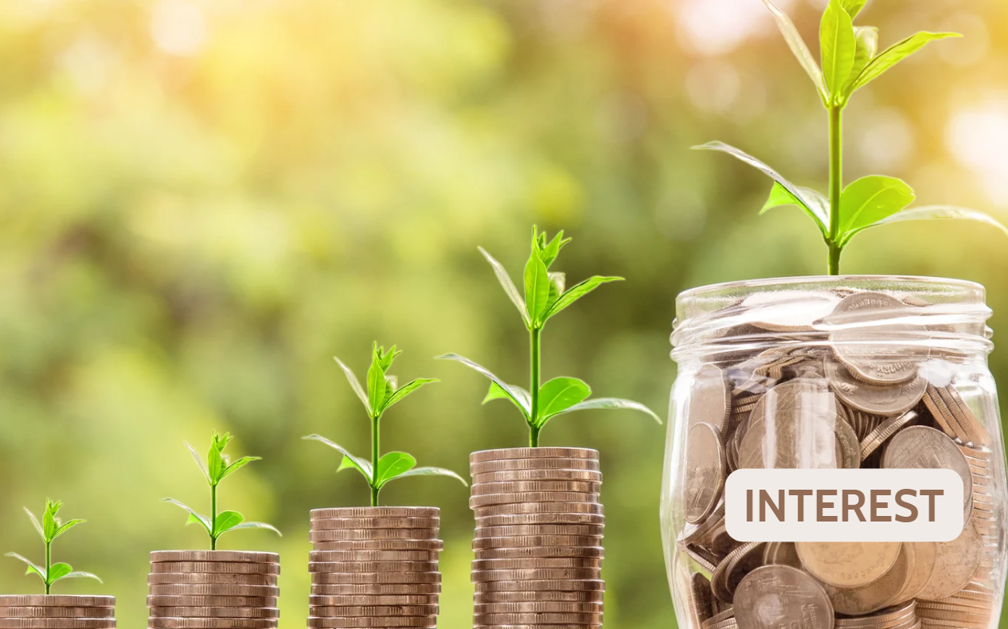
x,y
876,594
705,471
776,596
848,564
877,400
710,398
921,447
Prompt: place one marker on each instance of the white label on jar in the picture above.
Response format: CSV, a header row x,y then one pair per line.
x,y
822,505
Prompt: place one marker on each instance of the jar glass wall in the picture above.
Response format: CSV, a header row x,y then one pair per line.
x,y
832,372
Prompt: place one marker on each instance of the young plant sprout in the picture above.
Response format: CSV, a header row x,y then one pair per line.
x,y
382,392
850,60
218,467
49,529
545,297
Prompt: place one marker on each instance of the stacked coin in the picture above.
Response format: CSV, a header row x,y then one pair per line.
x,y
538,541
213,589
815,377
374,567
50,611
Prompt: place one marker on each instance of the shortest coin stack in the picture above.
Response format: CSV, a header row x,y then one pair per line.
x,y
49,611
374,567
213,589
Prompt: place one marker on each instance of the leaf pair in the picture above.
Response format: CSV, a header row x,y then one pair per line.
x,y
49,529
382,391
545,292
217,466
223,522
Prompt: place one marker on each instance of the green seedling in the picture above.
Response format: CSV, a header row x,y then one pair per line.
x,y
216,468
382,392
850,61
49,529
545,297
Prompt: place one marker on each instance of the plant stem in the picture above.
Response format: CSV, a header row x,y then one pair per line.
x,y
535,336
48,565
213,517
835,185
374,461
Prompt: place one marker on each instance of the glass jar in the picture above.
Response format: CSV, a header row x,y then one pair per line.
x,y
832,372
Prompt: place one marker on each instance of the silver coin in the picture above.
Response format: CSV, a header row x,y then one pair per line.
x,y
776,596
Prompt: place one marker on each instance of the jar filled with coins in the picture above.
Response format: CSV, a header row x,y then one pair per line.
x,y
833,372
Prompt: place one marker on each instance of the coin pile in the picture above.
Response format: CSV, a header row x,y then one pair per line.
x,y
374,567
213,589
811,389
538,541
45,611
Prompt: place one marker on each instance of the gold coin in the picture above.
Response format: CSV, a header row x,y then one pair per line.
x,y
539,529
372,600
521,519
185,578
167,600
326,556
571,596
886,429
540,551
531,496
211,623
925,558
376,512
537,486
956,563
848,564
375,523
323,578
535,540
215,567
380,544
594,508
725,578
890,617
214,612
536,619
544,562
781,596
55,600
56,611
339,535
535,574
537,586
533,453
372,610
533,464
214,589
781,554
57,623
381,589
705,471
547,607
592,476
214,555
373,566
372,621
875,595
920,447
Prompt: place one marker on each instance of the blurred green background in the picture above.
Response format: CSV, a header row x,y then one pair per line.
x,y
203,201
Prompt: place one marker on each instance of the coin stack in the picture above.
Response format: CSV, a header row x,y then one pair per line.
x,y
213,589
374,567
50,611
815,377
538,542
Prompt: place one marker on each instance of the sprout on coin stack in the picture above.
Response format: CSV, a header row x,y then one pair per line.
x,y
539,522
838,372
49,611
214,589
376,566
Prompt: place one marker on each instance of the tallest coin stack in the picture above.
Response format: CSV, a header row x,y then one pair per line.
x,y
538,542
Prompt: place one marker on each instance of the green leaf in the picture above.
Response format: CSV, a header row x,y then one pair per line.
x,y
523,401
866,42
513,393
58,570
49,524
509,287
611,402
817,210
819,214
896,53
361,465
406,389
376,382
82,575
559,394
936,212
35,522
199,463
852,7
431,471
66,526
215,457
227,520
869,200
799,49
32,568
557,281
550,251
355,384
393,464
257,525
576,292
537,287
237,465
837,44
193,516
